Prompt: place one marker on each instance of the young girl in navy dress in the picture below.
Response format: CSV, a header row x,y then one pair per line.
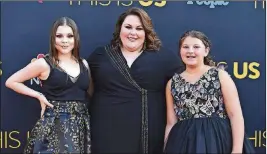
x,y
203,109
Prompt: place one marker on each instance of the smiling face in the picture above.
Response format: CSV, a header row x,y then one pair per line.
x,y
132,33
64,40
193,51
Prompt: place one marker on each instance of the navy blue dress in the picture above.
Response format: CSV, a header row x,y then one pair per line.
x,y
203,125
66,127
128,113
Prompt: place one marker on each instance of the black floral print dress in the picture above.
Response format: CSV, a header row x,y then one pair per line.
x,y
203,125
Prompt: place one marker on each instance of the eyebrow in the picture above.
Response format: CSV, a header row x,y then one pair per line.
x,y
66,33
193,44
131,25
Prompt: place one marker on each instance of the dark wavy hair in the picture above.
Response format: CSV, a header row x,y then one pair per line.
x,y
152,42
207,43
53,53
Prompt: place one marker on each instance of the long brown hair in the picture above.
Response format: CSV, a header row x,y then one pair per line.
x,y
152,42
201,36
53,53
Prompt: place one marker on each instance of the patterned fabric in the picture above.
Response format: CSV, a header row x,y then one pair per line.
x,y
63,129
203,125
201,99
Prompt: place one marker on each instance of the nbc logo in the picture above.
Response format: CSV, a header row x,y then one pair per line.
x,y
36,80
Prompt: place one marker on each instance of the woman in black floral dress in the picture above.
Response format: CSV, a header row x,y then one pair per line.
x,y
203,108
64,123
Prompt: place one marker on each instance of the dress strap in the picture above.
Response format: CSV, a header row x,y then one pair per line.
x,y
48,61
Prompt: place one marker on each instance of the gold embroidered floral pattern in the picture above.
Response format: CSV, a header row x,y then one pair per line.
x,y
63,129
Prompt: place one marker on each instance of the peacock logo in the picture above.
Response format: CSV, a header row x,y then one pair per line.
x,y
38,57
36,80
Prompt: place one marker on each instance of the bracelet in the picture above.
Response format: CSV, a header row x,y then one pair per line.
x,y
40,94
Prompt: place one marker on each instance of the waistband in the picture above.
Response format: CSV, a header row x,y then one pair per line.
x,y
72,107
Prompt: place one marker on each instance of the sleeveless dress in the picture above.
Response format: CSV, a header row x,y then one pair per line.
x,y
64,128
203,125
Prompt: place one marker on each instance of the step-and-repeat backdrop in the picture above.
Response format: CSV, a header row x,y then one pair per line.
x,y
236,29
